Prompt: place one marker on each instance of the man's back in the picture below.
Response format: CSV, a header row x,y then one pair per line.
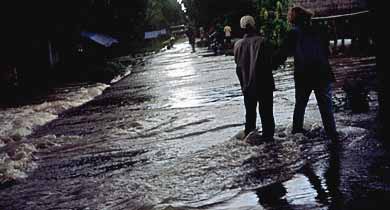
x,y
311,49
255,74
252,59
311,56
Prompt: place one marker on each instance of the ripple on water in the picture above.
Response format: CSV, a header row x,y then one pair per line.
x,y
210,176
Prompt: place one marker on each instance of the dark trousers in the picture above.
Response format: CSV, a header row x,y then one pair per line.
x,y
228,40
324,100
265,101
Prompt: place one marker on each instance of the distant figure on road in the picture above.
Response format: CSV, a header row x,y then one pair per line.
x,y
191,37
171,41
309,46
253,55
228,35
201,34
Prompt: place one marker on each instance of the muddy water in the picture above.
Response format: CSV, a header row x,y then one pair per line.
x,y
16,152
168,137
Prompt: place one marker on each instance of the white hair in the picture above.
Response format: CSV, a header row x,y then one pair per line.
x,y
247,20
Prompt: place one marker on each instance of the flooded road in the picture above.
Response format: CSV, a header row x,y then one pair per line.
x,y
168,137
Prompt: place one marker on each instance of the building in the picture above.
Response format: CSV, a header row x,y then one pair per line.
x,y
38,37
348,21
333,7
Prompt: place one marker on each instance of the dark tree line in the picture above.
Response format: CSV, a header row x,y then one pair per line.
x,y
210,12
270,15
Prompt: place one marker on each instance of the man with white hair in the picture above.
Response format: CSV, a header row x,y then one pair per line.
x,y
253,57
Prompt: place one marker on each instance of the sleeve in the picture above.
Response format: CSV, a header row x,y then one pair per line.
x,y
236,54
266,55
287,49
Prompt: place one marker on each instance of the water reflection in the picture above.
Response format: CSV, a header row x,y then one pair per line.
x,y
327,188
316,183
186,97
308,189
333,176
300,191
179,70
180,77
273,197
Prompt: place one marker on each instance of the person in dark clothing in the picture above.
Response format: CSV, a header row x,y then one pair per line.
x,y
310,47
254,70
191,37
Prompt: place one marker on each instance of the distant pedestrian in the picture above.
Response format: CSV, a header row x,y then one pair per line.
x,y
228,35
254,70
219,34
201,34
191,37
309,45
171,41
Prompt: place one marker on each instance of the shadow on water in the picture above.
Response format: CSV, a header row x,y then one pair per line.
x,y
336,176
346,179
273,196
307,190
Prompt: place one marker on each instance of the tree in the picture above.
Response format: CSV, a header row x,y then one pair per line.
x,y
273,16
270,14
163,13
210,12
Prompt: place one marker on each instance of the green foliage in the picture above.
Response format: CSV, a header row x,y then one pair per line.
x,y
273,19
210,12
271,15
163,13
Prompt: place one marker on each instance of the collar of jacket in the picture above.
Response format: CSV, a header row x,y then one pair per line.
x,y
250,35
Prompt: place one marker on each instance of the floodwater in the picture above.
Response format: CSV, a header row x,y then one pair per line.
x,y
169,137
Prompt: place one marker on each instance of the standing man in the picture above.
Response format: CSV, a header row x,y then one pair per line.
x,y
309,45
191,37
254,70
228,35
201,34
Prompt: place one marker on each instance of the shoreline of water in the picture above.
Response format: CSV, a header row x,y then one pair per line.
x,y
16,151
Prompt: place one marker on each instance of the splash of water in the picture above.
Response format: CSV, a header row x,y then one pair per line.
x,y
16,152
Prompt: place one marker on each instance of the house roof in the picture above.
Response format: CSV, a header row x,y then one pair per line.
x,y
324,8
101,39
